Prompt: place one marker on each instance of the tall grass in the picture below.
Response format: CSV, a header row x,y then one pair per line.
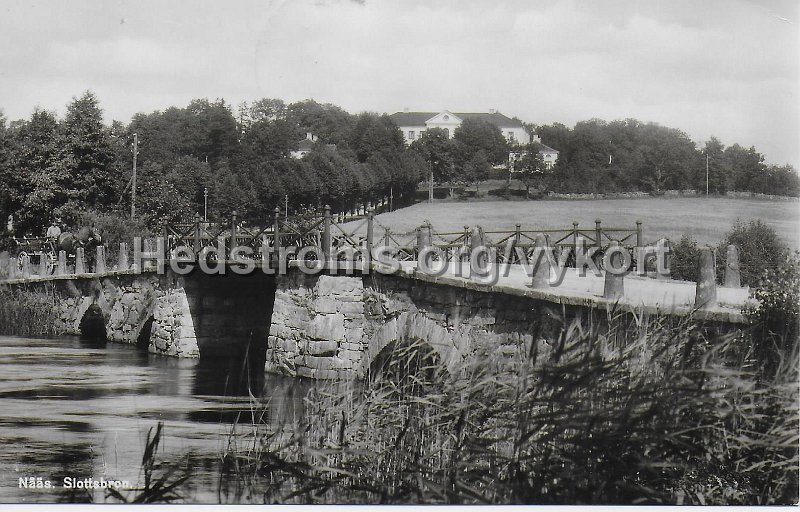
x,y
633,410
27,313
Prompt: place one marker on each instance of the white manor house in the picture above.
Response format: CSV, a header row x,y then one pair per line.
x,y
414,124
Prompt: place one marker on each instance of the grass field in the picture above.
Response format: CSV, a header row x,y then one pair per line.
x,y
707,220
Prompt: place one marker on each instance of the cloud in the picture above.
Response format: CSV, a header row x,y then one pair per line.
x,y
711,68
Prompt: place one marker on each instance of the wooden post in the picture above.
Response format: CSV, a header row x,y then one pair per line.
x,y
386,237
706,290
122,257
370,233
196,247
614,285
326,234
598,233
575,240
639,235
732,273
100,263
420,240
234,226
80,261
276,229
541,263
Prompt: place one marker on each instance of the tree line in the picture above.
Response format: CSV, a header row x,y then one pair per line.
x,y
600,157
67,166
53,167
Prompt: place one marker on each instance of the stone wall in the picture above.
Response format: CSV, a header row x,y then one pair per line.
x,y
127,302
332,327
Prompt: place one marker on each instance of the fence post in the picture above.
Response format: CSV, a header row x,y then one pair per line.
x,y
234,241
370,232
276,229
80,261
122,257
326,233
732,272
575,240
639,236
598,233
420,240
61,266
706,290
541,263
100,261
614,285
196,247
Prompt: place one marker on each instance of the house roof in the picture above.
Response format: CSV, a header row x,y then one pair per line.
x,y
546,149
419,118
305,145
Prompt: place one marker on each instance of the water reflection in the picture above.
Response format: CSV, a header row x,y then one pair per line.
x,y
83,409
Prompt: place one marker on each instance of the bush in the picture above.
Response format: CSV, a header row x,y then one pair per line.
x,y
685,259
777,313
759,246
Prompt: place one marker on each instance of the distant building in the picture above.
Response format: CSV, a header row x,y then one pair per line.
x,y
305,146
414,124
549,155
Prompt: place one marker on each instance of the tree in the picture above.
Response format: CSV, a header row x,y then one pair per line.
x,y
436,149
87,143
477,135
531,168
477,169
373,134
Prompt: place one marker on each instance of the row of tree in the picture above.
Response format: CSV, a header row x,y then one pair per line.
x,y
598,156
59,168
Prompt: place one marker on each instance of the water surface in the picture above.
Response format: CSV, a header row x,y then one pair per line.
x,y
75,409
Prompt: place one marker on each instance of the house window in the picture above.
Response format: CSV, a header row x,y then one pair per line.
x,y
510,135
411,135
447,132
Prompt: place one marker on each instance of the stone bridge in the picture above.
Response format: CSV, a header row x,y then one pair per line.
x,y
328,324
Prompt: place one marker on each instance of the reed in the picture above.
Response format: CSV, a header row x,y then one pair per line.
x,y
632,410
27,313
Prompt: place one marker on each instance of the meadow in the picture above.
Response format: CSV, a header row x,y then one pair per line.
x,y
705,219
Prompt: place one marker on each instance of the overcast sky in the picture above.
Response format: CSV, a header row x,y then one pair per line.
x,y
724,68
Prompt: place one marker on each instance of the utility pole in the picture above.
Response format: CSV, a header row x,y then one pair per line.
x,y
133,181
205,204
430,184
286,205
706,174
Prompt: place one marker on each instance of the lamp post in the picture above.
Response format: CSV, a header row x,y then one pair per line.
x,y
205,204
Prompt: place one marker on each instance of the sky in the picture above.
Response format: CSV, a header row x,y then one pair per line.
x,y
722,68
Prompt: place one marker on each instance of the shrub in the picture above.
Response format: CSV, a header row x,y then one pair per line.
x,y
685,259
777,312
759,248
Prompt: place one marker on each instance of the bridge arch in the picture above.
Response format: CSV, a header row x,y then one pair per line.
x,y
410,326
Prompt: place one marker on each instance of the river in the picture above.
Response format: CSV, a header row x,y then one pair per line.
x,y
75,409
